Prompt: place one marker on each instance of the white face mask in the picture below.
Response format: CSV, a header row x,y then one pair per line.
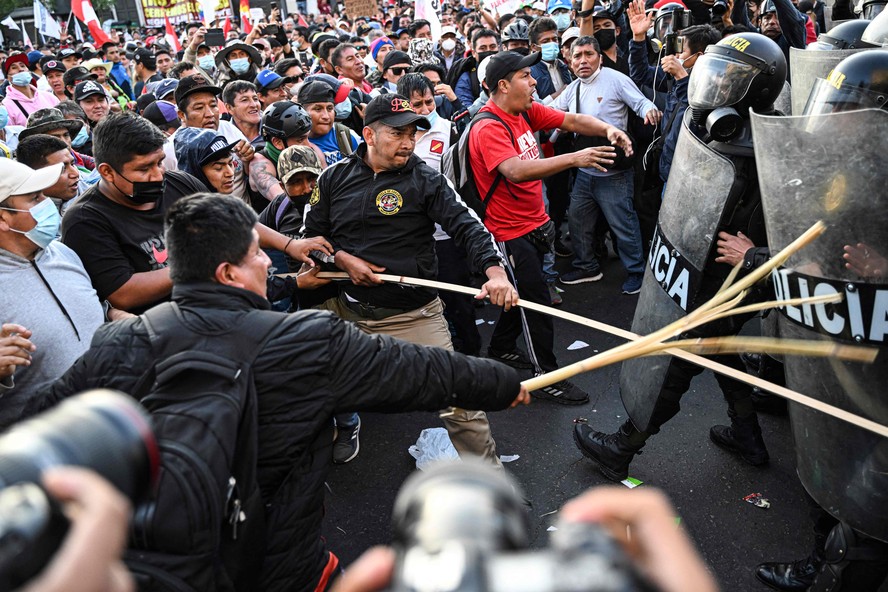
x,y
592,77
448,45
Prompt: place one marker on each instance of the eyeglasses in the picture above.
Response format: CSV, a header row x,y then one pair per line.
x,y
398,71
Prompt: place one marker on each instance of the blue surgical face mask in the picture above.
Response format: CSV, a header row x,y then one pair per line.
x,y
562,20
240,65
48,220
4,116
21,79
433,118
81,137
207,62
343,110
549,51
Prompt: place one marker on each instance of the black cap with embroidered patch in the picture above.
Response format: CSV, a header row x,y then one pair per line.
x,y
394,110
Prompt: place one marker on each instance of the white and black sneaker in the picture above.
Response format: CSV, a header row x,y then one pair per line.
x,y
563,392
347,444
514,358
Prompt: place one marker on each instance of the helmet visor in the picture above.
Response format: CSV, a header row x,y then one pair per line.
x,y
826,98
871,11
823,44
719,81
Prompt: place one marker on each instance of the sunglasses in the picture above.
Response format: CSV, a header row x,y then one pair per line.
x,y
398,71
361,48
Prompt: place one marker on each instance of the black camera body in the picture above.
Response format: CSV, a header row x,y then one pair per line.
x,y
673,44
464,527
719,8
105,431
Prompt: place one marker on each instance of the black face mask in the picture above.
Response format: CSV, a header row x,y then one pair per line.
x,y
144,191
606,38
484,54
522,51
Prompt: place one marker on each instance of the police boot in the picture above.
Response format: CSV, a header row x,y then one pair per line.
x,y
742,437
851,562
792,577
611,452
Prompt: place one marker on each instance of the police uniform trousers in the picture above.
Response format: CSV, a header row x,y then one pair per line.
x,y
469,430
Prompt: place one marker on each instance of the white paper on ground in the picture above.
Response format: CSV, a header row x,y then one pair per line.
x,y
577,345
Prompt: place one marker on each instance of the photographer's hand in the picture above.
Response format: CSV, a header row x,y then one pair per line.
x,y
371,572
89,558
661,549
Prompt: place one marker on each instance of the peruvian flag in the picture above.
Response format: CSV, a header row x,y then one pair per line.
x,y
301,22
246,25
83,10
171,38
226,28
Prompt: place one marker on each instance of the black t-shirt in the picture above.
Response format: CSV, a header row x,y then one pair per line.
x,y
114,241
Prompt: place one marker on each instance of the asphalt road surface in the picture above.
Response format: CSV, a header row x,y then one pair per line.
x,y
705,483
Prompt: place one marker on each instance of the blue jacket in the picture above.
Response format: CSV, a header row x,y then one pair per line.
x,y
643,74
118,72
463,88
540,73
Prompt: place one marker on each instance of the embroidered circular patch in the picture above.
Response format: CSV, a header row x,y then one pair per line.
x,y
389,202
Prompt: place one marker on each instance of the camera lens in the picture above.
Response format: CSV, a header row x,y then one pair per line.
x,y
102,430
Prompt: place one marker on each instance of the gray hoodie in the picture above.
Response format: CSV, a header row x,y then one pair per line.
x,y
54,298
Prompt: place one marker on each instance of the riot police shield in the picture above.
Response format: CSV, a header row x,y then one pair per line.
x,y
783,104
831,168
805,67
694,201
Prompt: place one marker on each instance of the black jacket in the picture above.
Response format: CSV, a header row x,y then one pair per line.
x,y
306,373
388,218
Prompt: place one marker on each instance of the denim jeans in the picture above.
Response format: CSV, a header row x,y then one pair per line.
x,y
612,197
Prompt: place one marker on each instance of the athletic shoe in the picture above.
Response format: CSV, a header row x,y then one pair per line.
x,y
632,285
515,358
555,295
562,250
347,444
563,392
580,276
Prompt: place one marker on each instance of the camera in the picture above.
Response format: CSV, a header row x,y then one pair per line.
x,y
464,527
105,431
719,8
673,44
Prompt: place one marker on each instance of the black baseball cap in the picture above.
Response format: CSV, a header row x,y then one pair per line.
x,y
68,52
88,88
316,92
162,114
145,57
194,84
393,58
53,65
394,110
506,62
77,74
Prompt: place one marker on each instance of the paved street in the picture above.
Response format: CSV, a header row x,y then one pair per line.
x,y
705,483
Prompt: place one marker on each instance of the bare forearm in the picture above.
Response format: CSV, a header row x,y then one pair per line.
x,y
533,170
141,289
585,125
586,23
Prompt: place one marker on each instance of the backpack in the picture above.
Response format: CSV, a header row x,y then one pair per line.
x,y
343,139
456,166
203,526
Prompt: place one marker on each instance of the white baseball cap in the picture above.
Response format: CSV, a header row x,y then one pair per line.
x,y
448,29
569,35
482,68
19,179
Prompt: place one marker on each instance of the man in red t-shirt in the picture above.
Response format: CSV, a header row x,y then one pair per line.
x,y
516,215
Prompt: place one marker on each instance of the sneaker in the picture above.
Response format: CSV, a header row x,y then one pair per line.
x,y
347,444
555,295
562,250
580,276
515,358
632,285
563,392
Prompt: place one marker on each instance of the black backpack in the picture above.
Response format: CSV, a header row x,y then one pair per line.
x,y
456,166
203,528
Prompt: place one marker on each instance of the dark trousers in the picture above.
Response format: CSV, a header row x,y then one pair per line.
x,y
459,309
524,264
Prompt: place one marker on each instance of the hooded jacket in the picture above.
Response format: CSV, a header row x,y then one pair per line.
x,y
190,143
388,218
40,100
305,373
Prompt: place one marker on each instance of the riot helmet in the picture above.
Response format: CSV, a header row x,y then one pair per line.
x,y
877,32
285,119
671,18
858,82
846,35
741,72
516,31
873,8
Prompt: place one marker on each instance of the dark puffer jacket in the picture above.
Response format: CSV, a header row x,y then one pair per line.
x,y
313,366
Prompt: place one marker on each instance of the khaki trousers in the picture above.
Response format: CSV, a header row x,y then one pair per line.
x,y
469,430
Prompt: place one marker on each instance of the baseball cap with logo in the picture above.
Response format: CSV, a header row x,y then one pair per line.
x,y
53,66
297,159
68,52
145,57
194,84
88,89
269,80
165,87
19,179
394,110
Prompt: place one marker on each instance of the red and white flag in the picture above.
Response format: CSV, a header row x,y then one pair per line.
x,y
226,28
302,22
171,38
246,24
83,10
26,40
